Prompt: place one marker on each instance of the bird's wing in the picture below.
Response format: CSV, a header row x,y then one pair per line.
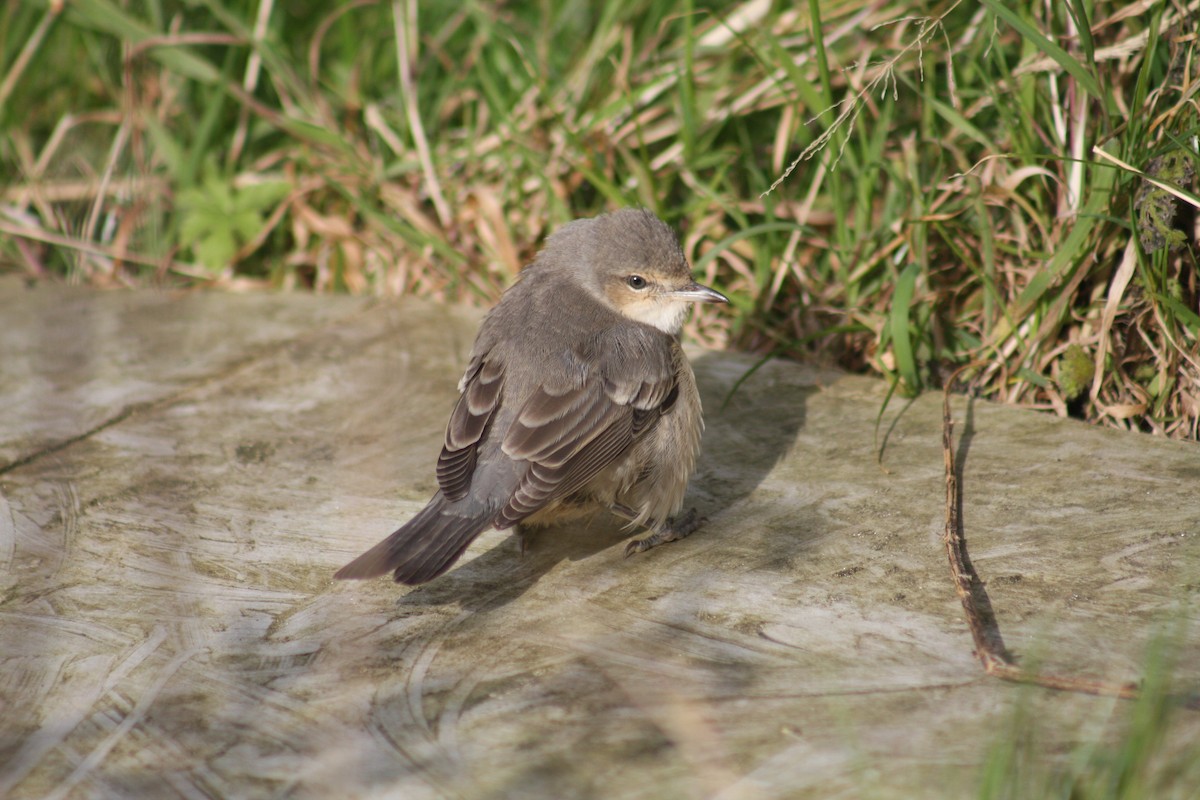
x,y
483,385
568,431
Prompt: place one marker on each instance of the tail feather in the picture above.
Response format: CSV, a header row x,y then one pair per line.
x,y
421,549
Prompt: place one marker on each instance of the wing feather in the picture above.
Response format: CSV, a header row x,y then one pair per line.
x,y
483,385
551,427
544,483
568,433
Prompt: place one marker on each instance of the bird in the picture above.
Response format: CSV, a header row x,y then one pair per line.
x,y
577,397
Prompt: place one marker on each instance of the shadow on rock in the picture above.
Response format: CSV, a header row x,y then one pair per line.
x,y
747,430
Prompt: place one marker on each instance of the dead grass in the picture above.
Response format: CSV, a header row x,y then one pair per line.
x,y
911,191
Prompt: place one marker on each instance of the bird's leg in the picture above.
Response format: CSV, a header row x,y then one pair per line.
x,y
670,530
521,534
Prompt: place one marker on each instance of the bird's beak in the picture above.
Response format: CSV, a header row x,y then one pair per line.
x,y
696,293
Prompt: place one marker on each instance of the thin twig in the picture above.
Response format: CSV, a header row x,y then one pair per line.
x,y
27,53
68,191
250,77
874,76
406,26
989,646
46,237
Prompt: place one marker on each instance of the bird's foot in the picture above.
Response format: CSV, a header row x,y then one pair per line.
x,y
669,531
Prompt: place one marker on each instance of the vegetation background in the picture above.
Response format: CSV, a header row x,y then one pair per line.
x,y
889,186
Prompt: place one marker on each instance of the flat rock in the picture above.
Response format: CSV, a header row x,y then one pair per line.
x,y
181,474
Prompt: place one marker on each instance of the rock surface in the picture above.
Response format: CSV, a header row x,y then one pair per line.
x,y
181,474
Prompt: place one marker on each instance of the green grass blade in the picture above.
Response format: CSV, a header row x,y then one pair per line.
x,y
754,230
1061,57
106,17
898,325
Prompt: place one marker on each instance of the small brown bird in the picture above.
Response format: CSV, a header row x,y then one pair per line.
x,y
577,397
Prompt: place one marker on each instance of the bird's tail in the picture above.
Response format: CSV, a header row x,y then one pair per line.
x,y
422,548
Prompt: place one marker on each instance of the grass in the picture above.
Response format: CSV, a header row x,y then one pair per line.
x,y
915,188
1144,749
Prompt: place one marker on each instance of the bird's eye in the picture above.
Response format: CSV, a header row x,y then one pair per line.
x,y
636,282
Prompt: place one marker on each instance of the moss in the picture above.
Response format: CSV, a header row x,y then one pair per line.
x,y
1075,372
1156,207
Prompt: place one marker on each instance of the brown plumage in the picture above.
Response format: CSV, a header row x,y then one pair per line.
x,y
577,396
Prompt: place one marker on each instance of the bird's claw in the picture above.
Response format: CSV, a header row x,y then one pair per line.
x,y
674,528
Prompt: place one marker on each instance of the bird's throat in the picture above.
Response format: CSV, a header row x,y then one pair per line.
x,y
666,315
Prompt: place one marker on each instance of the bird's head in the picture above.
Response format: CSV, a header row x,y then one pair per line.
x,y
631,261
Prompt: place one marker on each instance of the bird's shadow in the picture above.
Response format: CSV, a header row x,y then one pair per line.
x,y
747,432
